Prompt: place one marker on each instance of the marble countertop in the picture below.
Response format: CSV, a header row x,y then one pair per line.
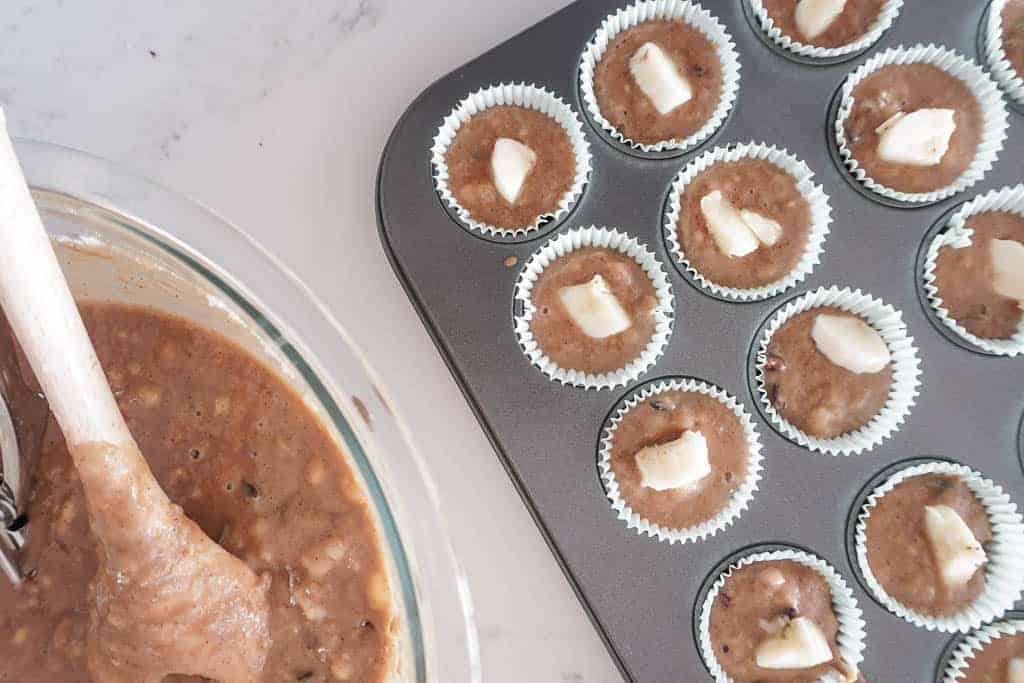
x,y
274,115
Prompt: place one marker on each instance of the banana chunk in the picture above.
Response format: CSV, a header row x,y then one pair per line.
x,y
511,162
1015,670
767,231
919,138
850,343
658,78
813,17
731,233
594,308
1007,257
801,645
957,552
675,464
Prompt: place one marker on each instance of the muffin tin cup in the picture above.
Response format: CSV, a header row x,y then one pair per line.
x,y
850,637
671,10
1001,68
525,95
981,85
888,322
736,505
817,200
886,16
1004,572
566,243
958,235
968,648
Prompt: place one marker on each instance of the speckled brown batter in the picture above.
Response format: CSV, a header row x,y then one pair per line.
x,y
1013,34
750,609
627,108
900,555
816,395
853,22
989,665
664,418
964,278
756,185
907,88
559,336
246,459
469,166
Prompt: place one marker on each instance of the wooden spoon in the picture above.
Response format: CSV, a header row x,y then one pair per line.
x,y
166,599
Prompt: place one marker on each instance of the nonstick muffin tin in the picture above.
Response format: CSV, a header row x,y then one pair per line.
x,y
641,593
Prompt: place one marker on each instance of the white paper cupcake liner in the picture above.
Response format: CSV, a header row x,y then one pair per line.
x,y
905,369
519,95
1004,572
968,649
817,200
566,243
958,235
1001,68
672,10
981,85
740,499
850,638
886,16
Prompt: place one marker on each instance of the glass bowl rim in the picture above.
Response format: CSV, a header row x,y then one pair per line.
x,y
69,172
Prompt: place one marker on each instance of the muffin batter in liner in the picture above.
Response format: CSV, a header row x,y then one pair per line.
x,y
566,243
978,82
998,63
655,10
817,200
886,16
517,95
904,362
850,638
957,234
968,649
1004,571
739,501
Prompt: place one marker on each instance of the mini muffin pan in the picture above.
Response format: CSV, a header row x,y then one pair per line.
x,y
639,592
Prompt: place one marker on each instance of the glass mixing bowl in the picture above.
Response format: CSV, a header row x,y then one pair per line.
x,y
122,238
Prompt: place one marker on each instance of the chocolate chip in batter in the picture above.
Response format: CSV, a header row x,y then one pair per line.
x,y
663,403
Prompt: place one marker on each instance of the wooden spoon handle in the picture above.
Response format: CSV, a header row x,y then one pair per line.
x,y
39,306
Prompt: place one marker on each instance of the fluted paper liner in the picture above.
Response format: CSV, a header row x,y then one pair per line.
x,y
957,235
850,638
739,501
888,322
886,16
671,10
566,243
519,95
980,84
1004,571
1001,68
960,661
817,201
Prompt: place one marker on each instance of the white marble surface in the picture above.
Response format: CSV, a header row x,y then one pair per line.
x,y
273,113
